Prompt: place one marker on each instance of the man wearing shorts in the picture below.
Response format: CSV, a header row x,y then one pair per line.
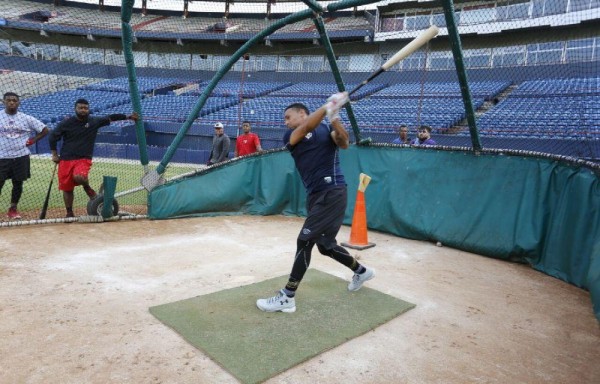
x,y
15,130
78,134
314,148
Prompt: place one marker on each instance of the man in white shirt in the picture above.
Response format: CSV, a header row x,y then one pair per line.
x,y
15,136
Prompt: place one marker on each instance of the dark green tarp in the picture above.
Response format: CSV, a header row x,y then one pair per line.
x,y
540,210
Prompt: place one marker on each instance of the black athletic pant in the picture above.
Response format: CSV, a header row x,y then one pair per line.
x,y
326,211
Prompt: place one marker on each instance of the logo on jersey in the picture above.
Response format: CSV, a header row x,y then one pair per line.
x,y
308,136
305,231
327,179
12,130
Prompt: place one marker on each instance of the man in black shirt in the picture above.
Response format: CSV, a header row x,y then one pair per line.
x,y
78,134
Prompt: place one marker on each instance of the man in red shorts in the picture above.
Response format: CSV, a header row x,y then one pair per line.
x,y
248,142
78,134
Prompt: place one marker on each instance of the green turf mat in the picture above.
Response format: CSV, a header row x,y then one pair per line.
x,y
254,346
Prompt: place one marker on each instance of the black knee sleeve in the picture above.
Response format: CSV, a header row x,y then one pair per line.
x,y
339,254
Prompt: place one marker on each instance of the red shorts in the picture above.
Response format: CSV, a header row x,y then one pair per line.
x,y
69,168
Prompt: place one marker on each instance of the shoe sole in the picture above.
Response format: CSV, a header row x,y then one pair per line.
x,y
286,310
370,277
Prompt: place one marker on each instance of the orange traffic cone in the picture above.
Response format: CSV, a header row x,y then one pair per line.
x,y
358,233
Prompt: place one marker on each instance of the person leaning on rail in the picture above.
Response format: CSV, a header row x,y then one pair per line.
x,y
78,134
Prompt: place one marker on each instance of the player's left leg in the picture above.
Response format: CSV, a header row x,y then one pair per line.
x,y
342,256
332,216
80,176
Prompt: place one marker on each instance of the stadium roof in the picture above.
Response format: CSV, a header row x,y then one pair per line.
x,y
212,5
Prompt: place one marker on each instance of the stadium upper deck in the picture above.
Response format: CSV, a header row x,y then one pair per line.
x,y
388,20
32,15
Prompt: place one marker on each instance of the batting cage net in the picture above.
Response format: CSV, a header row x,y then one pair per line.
x,y
519,75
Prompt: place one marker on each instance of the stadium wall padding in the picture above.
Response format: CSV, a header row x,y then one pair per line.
x,y
537,210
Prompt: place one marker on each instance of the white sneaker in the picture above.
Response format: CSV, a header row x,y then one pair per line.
x,y
278,303
359,279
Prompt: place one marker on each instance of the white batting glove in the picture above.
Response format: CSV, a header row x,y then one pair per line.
x,y
333,113
340,98
335,102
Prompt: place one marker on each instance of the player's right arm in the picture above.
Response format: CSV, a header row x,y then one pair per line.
x,y
310,124
53,138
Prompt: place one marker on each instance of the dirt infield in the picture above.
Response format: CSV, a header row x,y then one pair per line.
x,y
74,302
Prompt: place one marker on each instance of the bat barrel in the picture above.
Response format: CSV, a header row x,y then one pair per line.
x,y
407,50
411,47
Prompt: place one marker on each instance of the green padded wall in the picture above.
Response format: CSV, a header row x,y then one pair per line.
x,y
515,207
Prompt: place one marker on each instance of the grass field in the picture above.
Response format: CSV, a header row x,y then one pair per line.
x,y
128,176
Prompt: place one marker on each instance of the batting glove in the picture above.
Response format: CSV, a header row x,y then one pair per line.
x,y
29,142
335,102
340,98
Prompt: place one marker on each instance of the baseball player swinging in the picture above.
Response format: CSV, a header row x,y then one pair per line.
x,y
314,147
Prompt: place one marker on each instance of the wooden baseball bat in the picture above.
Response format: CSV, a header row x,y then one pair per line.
x,y
406,51
45,206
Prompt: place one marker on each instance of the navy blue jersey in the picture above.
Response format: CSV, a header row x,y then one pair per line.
x,y
317,159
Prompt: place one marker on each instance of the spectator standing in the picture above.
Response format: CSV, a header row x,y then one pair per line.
x,y
314,148
423,136
15,130
220,145
78,134
402,135
247,142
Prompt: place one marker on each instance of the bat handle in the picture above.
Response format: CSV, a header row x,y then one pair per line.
x,y
365,82
359,86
